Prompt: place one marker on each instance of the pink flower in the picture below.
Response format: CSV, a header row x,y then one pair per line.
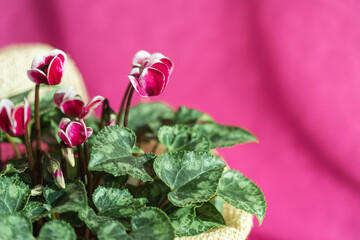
x,y
150,73
13,120
48,69
72,105
73,133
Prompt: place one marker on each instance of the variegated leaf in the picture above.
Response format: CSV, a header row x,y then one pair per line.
x,y
192,176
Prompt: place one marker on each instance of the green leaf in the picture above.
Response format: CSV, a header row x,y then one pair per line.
x,y
137,150
154,192
181,218
207,217
218,203
16,166
114,201
72,198
181,137
235,189
14,195
113,230
186,115
34,210
195,219
150,115
110,179
57,229
151,224
72,218
15,227
192,176
224,136
92,221
112,153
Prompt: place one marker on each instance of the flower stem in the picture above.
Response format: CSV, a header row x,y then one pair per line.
x,y
37,121
29,151
82,163
105,115
121,110
89,177
128,107
13,144
163,202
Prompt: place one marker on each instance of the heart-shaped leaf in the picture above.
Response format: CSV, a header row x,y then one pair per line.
x,y
186,115
193,220
235,189
14,195
15,227
92,221
57,230
112,153
117,202
72,198
149,115
151,224
113,230
16,166
181,138
224,136
34,210
192,176
154,192
148,223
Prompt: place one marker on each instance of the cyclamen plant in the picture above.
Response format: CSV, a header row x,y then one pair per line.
x,y
151,174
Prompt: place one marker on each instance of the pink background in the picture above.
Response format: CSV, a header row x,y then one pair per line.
x,y
286,70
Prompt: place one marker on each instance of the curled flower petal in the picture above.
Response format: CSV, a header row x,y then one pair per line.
x,y
137,87
92,105
76,133
37,76
48,69
150,73
152,81
19,127
6,109
73,108
27,112
139,57
14,121
38,61
55,71
72,104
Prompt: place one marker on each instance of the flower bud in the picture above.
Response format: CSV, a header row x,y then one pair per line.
x,y
68,154
37,190
53,167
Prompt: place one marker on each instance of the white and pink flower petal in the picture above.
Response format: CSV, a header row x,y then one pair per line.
x,y
137,87
76,132
62,135
92,105
37,76
72,108
27,113
57,53
152,81
38,61
139,57
55,71
64,123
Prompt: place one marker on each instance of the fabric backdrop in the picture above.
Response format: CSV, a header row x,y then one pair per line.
x,y
286,70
